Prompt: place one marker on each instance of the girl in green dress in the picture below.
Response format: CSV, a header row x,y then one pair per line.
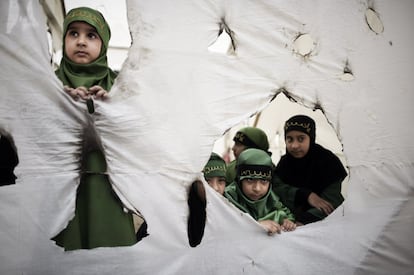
x,y
100,219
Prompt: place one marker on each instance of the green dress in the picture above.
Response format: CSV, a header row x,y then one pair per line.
x,y
100,220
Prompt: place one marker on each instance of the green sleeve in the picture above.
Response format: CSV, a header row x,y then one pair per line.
x,y
279,215
277,211
285,192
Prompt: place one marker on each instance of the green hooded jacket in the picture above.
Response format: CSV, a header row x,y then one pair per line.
x,y
257,164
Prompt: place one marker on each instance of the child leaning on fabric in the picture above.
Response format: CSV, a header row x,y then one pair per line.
x,y
100,219
251,192
308,178
83,69
215,175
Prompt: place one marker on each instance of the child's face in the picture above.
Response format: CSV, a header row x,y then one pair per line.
x,y
82,43
255,189
238,148
297,143
217,183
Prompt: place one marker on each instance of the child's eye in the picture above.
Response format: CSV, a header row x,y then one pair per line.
x,y
264,182
92,35
73,33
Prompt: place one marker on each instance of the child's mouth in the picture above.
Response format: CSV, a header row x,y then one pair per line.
x,y
80,53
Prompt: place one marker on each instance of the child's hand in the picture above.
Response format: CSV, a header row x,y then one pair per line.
x,y
75,93
288,225
272,227
320,203
98,92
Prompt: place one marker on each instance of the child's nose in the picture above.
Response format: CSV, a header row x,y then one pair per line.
x,y
81,40
213,184
216,187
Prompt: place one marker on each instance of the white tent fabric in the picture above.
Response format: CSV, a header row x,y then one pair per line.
x,y
174,98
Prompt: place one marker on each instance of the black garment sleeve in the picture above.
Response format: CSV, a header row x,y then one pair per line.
x,y
306,217
302,196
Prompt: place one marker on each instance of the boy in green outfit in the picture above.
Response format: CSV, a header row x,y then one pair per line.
x,y
251,192
215,175
247,137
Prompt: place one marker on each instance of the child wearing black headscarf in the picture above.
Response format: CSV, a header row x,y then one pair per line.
x,y
308,177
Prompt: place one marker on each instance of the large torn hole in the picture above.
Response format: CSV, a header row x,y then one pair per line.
x,y
8,160
373,20
224,43
271,120
100,217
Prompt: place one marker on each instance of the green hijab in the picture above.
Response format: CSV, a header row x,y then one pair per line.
x,y
257,164
96,73
252,137
215,167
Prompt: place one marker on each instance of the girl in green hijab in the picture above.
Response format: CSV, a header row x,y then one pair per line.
x,y
84,69
100,220
251,192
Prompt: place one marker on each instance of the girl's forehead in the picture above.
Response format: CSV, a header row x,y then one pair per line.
x,y
81,25
295,133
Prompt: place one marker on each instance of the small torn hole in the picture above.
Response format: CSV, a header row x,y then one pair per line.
x,y
8,160
318,106
373,20
304,44
347,75
224,43
197,213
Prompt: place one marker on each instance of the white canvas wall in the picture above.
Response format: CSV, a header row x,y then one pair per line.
x,y
158,130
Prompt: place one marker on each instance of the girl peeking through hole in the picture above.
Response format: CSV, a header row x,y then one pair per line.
x,y
100,218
